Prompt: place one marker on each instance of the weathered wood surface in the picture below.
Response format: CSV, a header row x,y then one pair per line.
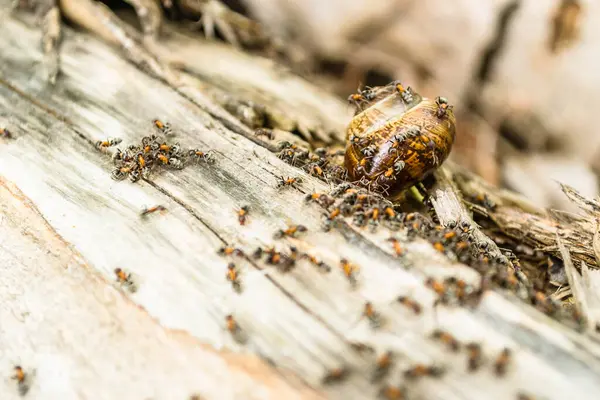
x,y
68,225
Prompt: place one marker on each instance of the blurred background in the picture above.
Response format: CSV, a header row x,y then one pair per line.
x,y
523,75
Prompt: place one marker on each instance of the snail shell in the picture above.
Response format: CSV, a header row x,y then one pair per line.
x,y
397,138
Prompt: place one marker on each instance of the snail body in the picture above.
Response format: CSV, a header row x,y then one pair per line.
x,y
397,138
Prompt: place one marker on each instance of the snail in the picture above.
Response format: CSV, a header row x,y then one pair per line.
x,y
397,138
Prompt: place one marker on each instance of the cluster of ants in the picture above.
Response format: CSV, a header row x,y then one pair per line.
x,y
365,208
448,292
385,362
283,261
455,240
320,163
138,161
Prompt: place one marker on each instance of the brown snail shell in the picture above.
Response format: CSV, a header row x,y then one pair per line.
x,y
397,138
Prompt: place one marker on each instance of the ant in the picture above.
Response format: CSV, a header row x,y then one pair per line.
x,y
410,303
336,375
334,213
406,94
439,288
349,270
420,370
22,379
314,169
235,330
228,251
447,339
474,356
443,107
242,214
396,245
502,361
321,199
373,316
290,231
125,279
205,156
286,182
102,144
319,264
383,364
147,211
164,127
233,276
5,133
389,392
141,161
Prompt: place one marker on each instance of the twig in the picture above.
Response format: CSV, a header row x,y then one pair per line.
x,y
575,281
536,227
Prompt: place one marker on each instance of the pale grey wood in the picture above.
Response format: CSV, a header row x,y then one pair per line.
x,y
304,322
79,336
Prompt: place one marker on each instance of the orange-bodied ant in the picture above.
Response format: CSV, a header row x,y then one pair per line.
x,y
397,247
22,379
233,276
164,127
125,279
447,339
373,316
288,182
228,251
382,368
147,211
502,361
420,370
349,270
410,303
242,214
389,392
5,133
235,330
336,375
474,356
102,144
291,231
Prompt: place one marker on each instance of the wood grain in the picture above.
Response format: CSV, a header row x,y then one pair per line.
x,y
304,322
